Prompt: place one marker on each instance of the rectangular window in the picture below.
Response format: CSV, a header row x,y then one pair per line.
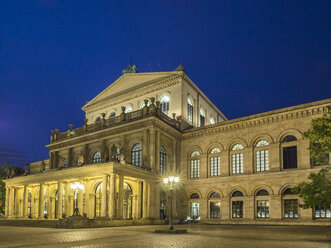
x,y
190,113
215,166
202,120
322,212
195,168
262,160
290,157
291,208
237,209
262,209
237,163
194,210
215,209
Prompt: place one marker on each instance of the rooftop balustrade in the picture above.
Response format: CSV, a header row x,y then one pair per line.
x,y
145,112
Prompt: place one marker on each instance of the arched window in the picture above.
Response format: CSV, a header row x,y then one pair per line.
x,y
97,157
190,110
98,119
202,117
214,205
98,200
289,138
215,162
194,196
289,147
112,115
163,160
262,192
65,162
262,204
262,156
164,104
212,120
127,202
128,109
291,205
195,164
136,155
118,154
237,159
29,210
237,205
163,204
143,104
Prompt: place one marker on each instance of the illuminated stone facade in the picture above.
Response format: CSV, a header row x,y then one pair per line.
x,y
237,170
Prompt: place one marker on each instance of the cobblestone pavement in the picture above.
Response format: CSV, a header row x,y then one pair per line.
x,y
200,236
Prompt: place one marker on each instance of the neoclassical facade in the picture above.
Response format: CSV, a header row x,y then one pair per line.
x,y
147,126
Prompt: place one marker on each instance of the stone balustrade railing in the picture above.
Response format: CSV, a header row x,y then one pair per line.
x,y
146,111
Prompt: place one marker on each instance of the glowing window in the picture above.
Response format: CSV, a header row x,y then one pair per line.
x,y
164,104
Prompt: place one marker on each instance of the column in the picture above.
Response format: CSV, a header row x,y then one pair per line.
x,y
145,195
152,149
112,190
11,202
70,162
67,200
174,162
7,202
104,195
60,199
157,201
41,205
86,154
157,152
24,210
120,197
151,202
139,199
145,152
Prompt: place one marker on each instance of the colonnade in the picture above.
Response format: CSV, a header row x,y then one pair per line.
x,y
55,200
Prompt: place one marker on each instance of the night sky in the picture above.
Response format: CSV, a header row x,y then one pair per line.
x,y
248,57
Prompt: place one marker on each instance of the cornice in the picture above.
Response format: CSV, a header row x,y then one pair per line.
x,y
135,93
290,113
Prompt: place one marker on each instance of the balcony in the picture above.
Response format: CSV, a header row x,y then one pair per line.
x,y
145,112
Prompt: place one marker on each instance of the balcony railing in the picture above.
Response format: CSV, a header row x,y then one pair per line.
x,y
146,111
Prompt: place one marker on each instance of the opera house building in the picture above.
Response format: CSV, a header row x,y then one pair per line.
x,y
145,127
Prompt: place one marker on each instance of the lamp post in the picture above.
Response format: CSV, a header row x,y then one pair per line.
x,y
76,188
170,181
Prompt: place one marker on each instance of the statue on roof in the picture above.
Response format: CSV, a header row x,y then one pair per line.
x,y
130,69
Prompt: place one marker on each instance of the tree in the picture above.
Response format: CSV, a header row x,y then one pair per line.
x,y
317,190
320,138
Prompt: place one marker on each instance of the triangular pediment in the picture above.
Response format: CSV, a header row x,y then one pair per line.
x,y
128,83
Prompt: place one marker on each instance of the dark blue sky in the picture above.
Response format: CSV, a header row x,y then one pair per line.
x,y
247,56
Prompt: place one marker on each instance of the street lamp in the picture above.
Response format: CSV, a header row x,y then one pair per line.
x,y
170,181
76,187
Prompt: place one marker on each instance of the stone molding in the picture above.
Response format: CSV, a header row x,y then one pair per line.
x,y
296,112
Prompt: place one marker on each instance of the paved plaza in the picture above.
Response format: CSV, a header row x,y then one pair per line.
x,y
143,236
